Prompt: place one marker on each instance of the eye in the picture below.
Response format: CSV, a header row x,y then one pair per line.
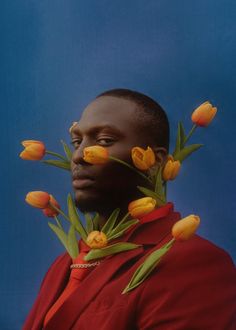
x,y
105,141
76,143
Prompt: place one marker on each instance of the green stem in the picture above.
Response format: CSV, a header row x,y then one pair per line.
x,y
58,222
56,155
131,167
60,211
190,134
171,242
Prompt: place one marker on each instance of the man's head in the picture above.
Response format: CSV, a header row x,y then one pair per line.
x,y
118,120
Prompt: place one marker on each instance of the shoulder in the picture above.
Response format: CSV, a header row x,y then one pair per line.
x,y
195,283
198,259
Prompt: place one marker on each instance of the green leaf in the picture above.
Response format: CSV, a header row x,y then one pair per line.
x,y
74,218
121,228
107,228
145,269
96,221
110,250
60,234
182,134
67,150
187,151
55,154
72,243
147,192
57,163
89,222
159,184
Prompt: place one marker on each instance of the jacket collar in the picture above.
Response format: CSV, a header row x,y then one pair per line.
x,y
153,226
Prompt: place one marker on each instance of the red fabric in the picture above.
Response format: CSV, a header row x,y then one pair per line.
x,y
76,277
194,287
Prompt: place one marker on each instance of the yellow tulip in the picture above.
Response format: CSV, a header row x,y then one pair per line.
x,y
185,228
204,114
34,150
143,159
50,211
96,155
141,206
38,199
96,239
171,169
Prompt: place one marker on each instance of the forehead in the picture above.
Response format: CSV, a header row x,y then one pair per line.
x,y
109,110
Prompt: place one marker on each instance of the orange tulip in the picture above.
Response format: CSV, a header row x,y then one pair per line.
x,y
141,206
143,159
38,199
50,211
171,169
185,228
96,155
96,239
204,114
34,150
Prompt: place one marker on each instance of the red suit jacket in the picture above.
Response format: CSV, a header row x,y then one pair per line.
x,y
193,288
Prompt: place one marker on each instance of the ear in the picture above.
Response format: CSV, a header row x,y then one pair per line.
x,y
161,155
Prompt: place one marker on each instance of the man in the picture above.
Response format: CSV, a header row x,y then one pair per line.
x,y
193,287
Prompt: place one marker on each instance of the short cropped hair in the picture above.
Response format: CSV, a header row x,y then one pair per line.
x,y
154,118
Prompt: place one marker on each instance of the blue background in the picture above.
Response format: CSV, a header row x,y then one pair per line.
x,y
58,55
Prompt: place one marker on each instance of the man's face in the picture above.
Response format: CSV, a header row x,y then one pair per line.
x,y
109,122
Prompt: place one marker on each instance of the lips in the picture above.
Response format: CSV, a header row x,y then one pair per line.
x,y
82,180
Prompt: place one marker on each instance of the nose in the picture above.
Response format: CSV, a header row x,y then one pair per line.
x,y
78,154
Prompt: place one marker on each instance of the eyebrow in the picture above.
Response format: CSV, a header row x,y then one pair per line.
x,y
76,130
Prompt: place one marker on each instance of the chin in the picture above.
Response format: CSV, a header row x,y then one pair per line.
x,y
87,201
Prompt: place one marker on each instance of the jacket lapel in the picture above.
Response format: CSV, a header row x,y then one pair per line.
x,y
88,289
50,291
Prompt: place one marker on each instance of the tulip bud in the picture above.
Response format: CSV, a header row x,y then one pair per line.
x,y
96,155
34,150
185,228
171,169
50,211
96,239
143,159
38,199
141,206
204,114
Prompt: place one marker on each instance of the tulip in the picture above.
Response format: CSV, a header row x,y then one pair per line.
x,y
34,150
204,114
141,206
50,211
185,228
143,159
171,169
96,155
38,199
96,239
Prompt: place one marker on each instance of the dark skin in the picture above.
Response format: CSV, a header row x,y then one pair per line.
x,y
110,122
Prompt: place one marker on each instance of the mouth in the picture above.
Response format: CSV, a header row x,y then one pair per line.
x,y
80,181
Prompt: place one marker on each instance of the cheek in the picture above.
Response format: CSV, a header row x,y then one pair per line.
x,y
116,176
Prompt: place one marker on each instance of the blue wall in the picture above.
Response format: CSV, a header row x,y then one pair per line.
x,y
55,57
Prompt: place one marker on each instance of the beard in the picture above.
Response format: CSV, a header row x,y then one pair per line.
x,y
104,202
